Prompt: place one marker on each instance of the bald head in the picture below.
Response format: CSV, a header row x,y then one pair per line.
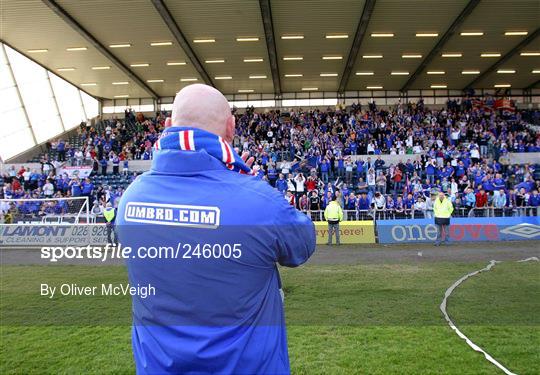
x,y
204,107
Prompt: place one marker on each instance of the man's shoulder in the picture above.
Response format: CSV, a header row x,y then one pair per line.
x,y
226,186
255,187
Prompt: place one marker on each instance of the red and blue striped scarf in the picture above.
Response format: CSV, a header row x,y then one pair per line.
x,y
193,139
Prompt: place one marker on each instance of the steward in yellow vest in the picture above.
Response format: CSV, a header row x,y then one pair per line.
x,y
110,216
333,215
442,210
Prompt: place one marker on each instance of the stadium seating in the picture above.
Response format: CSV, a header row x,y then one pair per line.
x,y
331,147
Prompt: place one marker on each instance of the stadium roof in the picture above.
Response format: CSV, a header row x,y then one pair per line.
x,y
152,48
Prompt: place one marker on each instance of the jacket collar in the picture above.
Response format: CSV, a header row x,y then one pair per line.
x,y
184,162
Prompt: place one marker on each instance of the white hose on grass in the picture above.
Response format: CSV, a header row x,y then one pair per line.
x,y
456,329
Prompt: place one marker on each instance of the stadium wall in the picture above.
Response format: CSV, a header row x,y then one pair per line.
x,y
28,235
473,229
351,232
134,165
144,165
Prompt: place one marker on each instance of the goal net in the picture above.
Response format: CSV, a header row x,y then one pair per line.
x,y
50,211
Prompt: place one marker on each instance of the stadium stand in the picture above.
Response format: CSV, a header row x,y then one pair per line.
x,y
310,155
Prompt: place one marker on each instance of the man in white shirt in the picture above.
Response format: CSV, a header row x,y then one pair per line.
x,y
475,153
455,135
4,207
370,148
26,176
417,149
291,186
429,205
48,189
299,181
419,208
79,157
285,167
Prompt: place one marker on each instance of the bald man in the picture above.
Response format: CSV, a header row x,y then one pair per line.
x,y
207,236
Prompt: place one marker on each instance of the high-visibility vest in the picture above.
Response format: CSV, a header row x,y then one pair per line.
x,y
333,212
109,214
443,209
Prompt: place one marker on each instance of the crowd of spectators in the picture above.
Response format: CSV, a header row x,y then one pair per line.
x,y
31,187
406,129
311,155
458,149
107,148
111,142
407,188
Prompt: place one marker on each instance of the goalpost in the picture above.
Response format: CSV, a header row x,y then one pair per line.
x,y
73,210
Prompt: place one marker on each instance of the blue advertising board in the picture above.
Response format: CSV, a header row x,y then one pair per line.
x,y
461,229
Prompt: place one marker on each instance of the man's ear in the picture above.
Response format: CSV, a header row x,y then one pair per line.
x,y
229,129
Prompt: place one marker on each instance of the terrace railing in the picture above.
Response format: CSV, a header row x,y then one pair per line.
x,y
389,214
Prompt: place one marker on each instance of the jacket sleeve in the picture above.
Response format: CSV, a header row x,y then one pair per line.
x,y
340,214
295,236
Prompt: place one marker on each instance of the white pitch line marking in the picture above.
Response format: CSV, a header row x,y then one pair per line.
x,y
456,329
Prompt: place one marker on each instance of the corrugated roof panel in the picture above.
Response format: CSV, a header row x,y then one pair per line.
x,y
313,20
135,22
30,24
236,18
392,16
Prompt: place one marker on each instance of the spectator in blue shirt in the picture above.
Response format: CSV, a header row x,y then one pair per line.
x,y
116,163
76,187
408,201
379,163
341,167
448,171
61,148
409,166
34,179
125,168
350,201
363,202
460,169
498,182
534,199
281,184
470,199
60,207
528,185
272,174
324,168
104,163
499,199
478,178
88,189
431,171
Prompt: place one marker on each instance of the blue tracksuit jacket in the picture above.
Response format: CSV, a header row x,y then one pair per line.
x,y
222,314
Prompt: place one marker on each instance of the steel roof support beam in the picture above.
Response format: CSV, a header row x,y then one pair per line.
x,y
440,44
266,14
181,40
56,101
97,45
369,5
19,95
504,59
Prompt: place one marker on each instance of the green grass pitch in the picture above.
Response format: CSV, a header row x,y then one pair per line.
x,y
342,319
